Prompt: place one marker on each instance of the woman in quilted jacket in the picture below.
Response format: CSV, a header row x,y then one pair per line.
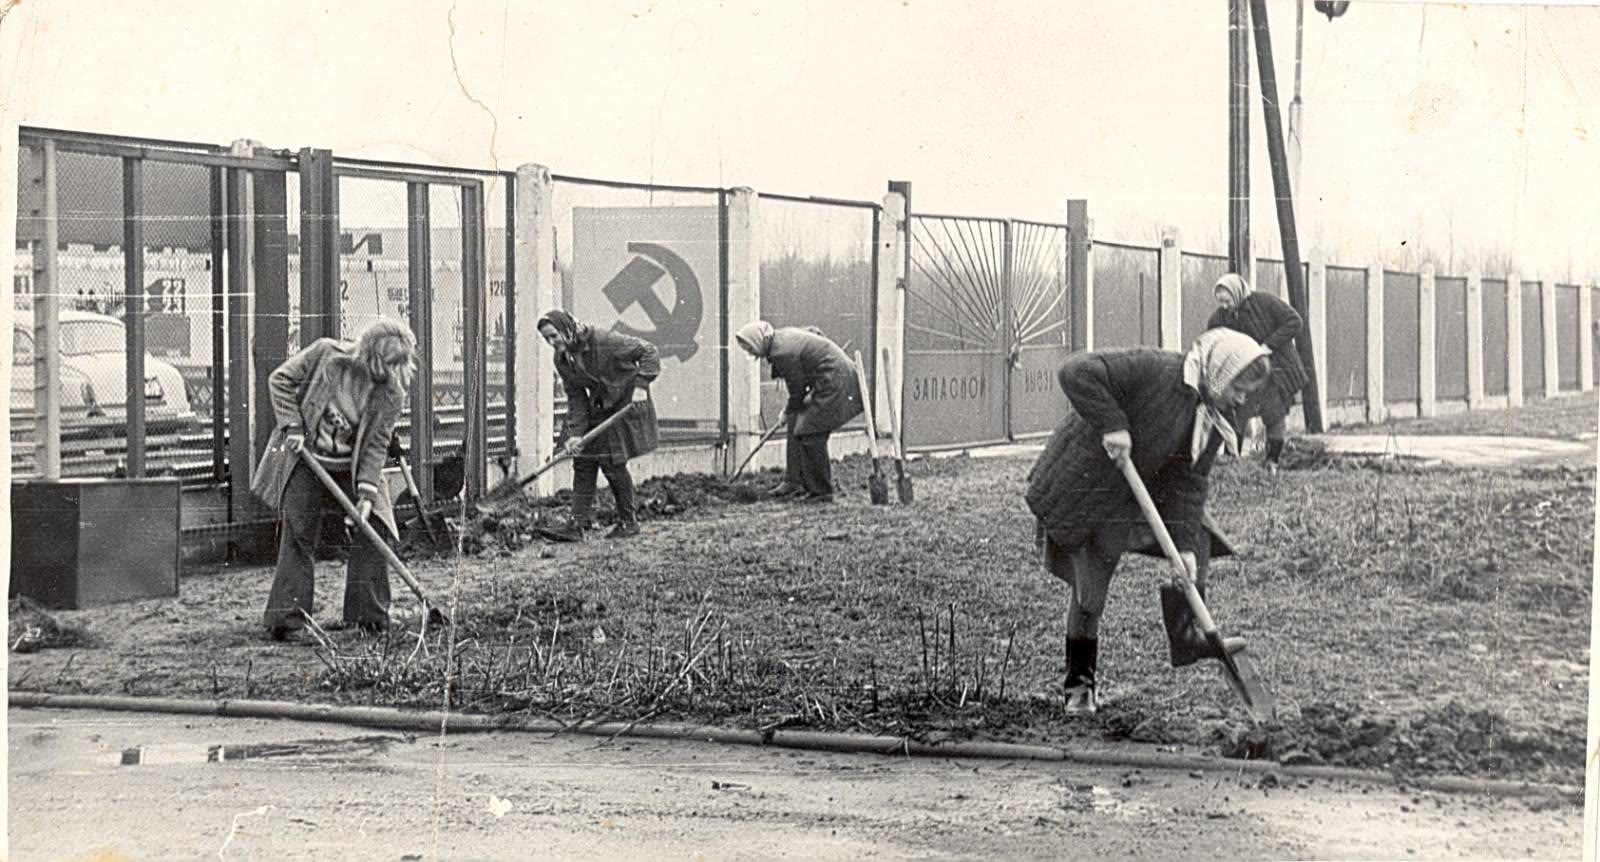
x,y
340,400
1169,413
1275,324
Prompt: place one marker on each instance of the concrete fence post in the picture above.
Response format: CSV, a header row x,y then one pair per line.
x,y
537,290
1513,339
1375,403
1428,347
1547,326
1317,325
891,305
1171,284
744,305
1586,337
1474,339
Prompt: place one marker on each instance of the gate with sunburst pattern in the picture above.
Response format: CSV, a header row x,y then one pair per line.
x,y
986,329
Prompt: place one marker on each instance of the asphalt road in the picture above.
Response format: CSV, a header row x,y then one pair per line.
x,y
132,786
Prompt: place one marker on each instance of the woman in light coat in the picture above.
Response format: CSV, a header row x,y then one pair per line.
x,y
340,400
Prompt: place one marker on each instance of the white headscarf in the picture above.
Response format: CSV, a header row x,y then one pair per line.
x,y
756,336
1235,286
1216,357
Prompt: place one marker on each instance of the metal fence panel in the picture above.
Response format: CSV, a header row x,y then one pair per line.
x,y
1042,315
955,335
1496,360
1450,334
1347,335
650,263
1200,274
1532,341
176,321
1127,296
1402,336
817,270
1567,333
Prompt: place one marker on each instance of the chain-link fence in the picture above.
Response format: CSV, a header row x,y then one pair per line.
x,y
103,204
1199,274
1532,341
1496,329
650,261
1402,337
1450,330
1347,293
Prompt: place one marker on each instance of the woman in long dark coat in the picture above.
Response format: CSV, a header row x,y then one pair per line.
x,y
823,396
603,372
340,400
1169,413
1275,324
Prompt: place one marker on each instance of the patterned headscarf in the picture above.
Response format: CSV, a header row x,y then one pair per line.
x,y
563,323
1217,357
756,336
1235,286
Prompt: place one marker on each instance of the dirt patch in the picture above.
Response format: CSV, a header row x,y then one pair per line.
x,y
30,628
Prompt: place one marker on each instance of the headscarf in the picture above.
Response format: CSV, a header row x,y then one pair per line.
x,y
1216,357
563,323
756,336
1235,286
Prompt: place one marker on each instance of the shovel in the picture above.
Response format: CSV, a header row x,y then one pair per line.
x,y
427,518
759,443
436,617
877,485
1237,668
508,490
902,482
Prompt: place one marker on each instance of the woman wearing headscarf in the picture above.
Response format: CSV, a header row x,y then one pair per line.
x,y
823,396
602,373
1169,413
340,400
1275,324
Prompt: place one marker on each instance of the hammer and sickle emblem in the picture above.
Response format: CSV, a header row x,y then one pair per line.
x,y
675,327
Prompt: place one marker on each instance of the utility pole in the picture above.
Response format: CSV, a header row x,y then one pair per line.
x,y
1296,107
1238,137
1298,297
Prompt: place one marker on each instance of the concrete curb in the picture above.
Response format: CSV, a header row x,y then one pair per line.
x,y
434,721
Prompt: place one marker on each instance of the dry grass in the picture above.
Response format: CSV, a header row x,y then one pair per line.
x,y
1380,600
1569,417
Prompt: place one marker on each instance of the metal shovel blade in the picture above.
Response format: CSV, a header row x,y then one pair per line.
x,y
878,486
1240,672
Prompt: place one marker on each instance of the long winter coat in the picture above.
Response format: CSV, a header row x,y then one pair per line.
x,y
1275,324
302,388
600,376
821,379
1079,494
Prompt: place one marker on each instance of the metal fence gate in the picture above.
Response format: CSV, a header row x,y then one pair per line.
x,y
987,325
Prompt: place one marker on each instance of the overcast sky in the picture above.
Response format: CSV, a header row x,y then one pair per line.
x,y
1459,128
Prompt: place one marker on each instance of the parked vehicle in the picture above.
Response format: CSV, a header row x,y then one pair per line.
x,y
94,379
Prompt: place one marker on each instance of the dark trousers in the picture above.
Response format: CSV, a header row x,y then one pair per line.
x,y
807,465
366,580
586,469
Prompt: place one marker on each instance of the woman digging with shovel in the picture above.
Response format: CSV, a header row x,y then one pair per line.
x,y
823,396
1275,324
339,401
1168,413
603,373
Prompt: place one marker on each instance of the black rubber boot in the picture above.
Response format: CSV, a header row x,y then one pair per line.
x,y
1274,451
1082,655
1185,640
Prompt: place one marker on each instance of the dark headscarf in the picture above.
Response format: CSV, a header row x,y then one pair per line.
x,y
563,323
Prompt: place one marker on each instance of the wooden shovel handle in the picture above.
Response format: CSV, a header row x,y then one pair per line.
x,y
586,439
866,410
350,509
759,443
1159,527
